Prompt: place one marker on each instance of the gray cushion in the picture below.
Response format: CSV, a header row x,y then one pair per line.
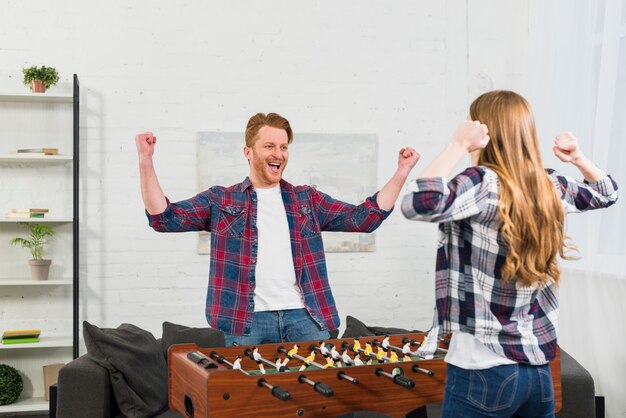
x,y
136,366
83,386
180,334
356,328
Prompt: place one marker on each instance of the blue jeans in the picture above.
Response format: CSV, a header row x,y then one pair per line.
x,y
280,327
516,390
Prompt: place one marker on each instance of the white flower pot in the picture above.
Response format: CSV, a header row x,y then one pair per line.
x,y
39,269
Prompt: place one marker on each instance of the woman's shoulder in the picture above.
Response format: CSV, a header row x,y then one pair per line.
x,y
559,180
478,174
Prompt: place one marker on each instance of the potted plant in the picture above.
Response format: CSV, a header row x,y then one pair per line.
x,y
11,384
39,233
40,78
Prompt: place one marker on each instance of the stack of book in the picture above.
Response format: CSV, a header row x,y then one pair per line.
x,y
21,336
44,151
27,213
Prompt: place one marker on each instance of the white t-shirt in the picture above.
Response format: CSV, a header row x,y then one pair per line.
x,y
276,287
467,352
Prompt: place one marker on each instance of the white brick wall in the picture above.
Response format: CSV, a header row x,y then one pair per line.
x,y
403,70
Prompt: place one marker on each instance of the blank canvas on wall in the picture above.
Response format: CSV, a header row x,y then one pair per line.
x,y
343,166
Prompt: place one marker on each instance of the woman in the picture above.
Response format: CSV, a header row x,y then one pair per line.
x,y
501,226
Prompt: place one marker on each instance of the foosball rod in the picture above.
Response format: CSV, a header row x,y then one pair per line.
x,y
371,355
415,368
396,349
413,353
248,353
414,342
341,374
222,360
399,349
317,348
397,379
283,350
418,369
277,391
200,359
319,387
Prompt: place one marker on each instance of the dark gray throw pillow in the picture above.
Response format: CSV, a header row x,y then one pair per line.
x,y
180,334
356,328
136,366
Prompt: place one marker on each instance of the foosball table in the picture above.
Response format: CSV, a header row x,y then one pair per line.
x,y
330,378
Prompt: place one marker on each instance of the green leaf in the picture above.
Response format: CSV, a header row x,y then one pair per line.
x,y
37,239
48,75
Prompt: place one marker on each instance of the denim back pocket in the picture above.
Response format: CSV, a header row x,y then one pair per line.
x,y
232,221
545,380
308,225
493,389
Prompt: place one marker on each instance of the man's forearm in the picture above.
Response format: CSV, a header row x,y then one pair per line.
x,y
387,196
151,192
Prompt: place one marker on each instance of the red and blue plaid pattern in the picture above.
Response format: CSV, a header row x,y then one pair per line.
x,y
519,323
230,214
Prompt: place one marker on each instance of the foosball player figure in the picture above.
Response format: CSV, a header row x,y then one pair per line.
x,y
380,354
406,357
357,359
345,357
293,351
324,350
335,355
368,351
278,363
237,363
329,362
393,357
257,357
406,348
308,360
290,354
357,345
385,343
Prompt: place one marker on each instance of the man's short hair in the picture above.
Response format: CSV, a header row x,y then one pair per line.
x,y
260,120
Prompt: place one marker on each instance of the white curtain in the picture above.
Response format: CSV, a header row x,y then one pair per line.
x,y
577,82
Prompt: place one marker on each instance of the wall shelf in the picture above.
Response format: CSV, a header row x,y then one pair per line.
x,y
44,342
35,158
41,120
26,405
31,282
36,97
38,220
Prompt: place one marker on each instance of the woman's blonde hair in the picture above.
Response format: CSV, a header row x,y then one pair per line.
x,y
531,211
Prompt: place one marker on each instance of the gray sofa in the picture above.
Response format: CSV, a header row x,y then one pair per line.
x,y
85,388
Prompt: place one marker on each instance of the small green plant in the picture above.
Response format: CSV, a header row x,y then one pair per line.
x,y
48,75
36,240
11,384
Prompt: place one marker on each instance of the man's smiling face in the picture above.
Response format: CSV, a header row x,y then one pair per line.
x,y
268,157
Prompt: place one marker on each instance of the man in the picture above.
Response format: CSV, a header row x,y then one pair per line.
x,y
268,281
